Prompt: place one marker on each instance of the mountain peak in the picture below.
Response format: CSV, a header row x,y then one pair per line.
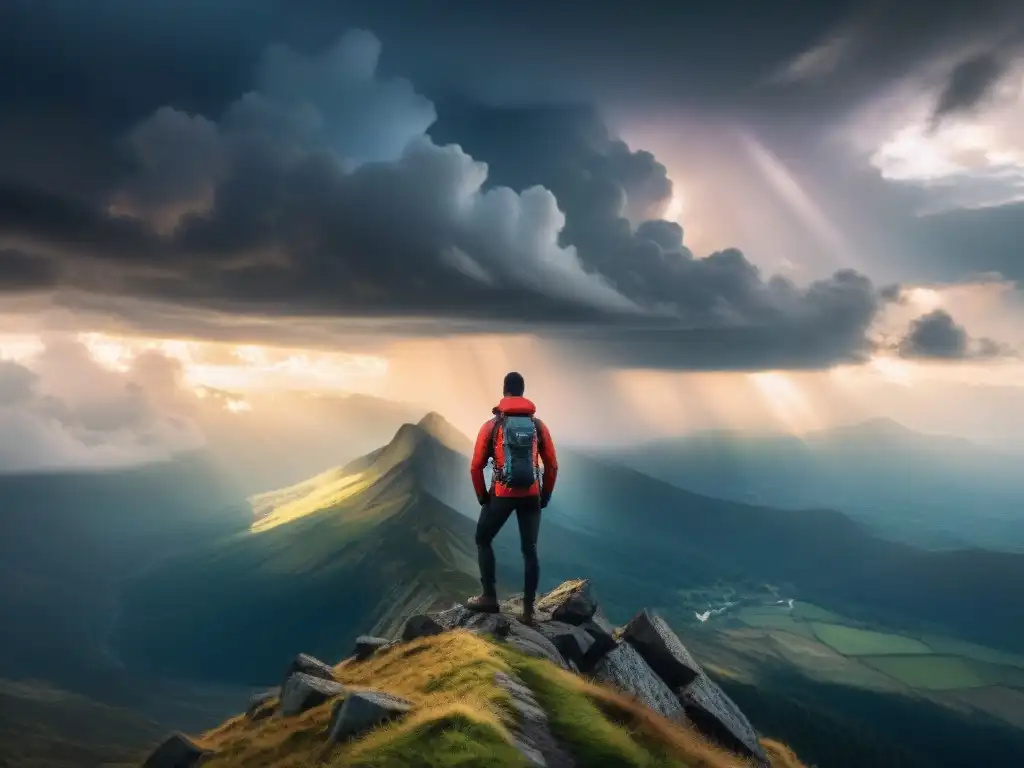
x,y
442,430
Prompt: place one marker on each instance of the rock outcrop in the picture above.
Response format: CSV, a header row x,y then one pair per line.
x,y
626,670
303,691
177,751
362,710
649,662
645,660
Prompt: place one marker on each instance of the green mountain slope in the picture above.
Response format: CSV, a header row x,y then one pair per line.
x,y
350,550
69,538
42,727
393,531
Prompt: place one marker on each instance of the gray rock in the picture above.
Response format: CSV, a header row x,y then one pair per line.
x,y
573,605
505,628
603,634
716,716
532,735
662,649
366,646
456,616
362,710
625,669
256,709
177,751
421,625
571,641
531,642
309,665
303,691
599,624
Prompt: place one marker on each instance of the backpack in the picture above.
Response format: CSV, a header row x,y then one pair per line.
x,y
519,471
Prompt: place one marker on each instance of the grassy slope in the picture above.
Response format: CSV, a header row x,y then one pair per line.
x,y
323,558
462,718
42,727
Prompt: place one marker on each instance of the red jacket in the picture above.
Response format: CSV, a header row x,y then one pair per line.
x,y
513,406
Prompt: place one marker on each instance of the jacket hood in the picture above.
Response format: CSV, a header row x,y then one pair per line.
x,y
515,406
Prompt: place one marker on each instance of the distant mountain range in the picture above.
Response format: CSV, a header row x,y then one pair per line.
x,y
929,490
361,546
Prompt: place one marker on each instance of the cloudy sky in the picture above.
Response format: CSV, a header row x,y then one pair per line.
x,y
749,215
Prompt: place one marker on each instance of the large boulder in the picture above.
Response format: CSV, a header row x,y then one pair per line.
x,y
177,751
309,665
716,716
625,669
571,641
661,649
573,602
303,691
602,633
421,625
531,642
362,710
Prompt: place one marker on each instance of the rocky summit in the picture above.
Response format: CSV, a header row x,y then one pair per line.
x,y
567,690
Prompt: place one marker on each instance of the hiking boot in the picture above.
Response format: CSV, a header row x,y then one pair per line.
x,y
527,617
483,604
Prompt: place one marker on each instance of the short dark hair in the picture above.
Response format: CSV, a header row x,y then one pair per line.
x,y
514,385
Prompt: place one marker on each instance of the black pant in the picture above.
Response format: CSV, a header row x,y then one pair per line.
x,y
492,517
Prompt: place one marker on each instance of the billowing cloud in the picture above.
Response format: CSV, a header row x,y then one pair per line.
x,y
61,410
937,336
319,193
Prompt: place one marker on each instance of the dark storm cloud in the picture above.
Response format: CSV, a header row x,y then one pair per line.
x,y
869,45
21,271
968,83
318,192
937,336
314,191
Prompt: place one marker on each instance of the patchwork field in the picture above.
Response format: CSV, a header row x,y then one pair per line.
x,y
928,672
862,642
826,646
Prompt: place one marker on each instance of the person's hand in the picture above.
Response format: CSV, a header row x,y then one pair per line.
x,y
484,498
545,499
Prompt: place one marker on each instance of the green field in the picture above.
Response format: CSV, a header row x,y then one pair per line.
x,y
864,642
952,647
1000,674
929,673
809,612
776,618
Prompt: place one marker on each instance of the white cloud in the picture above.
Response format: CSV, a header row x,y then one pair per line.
x,y
968,159
61,409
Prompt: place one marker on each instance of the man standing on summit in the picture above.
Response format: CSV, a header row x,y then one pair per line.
x,y
518,442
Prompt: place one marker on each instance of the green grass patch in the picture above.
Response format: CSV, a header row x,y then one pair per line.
x,y
810,612
777,619
453,740
999,674
578,723
952,647
865,642
929,673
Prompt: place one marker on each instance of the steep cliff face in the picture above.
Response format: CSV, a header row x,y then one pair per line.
x,y
456,687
